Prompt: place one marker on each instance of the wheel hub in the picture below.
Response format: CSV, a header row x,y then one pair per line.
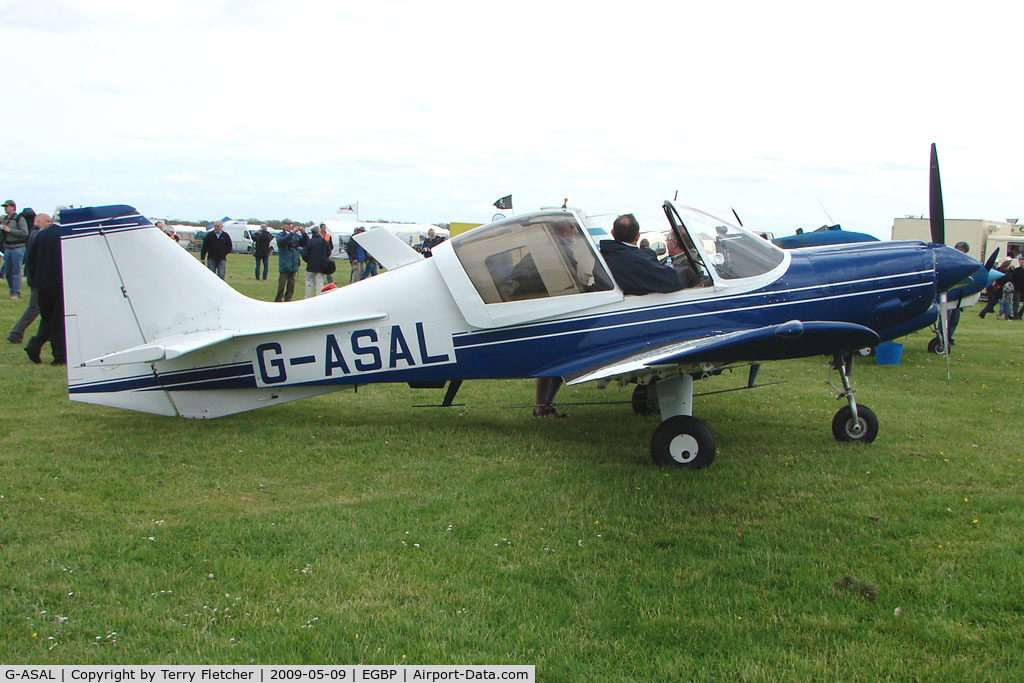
x,y
683,448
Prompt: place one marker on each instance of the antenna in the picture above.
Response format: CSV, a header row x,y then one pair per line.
x,y
831,222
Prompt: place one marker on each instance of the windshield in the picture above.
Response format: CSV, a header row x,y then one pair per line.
x,y
729,249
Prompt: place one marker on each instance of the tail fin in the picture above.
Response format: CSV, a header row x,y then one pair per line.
x,y
125,285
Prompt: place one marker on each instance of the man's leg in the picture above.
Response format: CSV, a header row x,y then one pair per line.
x,y
58,346
17,334
282,279
12,261
291,286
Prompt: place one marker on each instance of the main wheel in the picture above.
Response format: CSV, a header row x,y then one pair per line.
x,y
683,441
936,346
645,399
862,430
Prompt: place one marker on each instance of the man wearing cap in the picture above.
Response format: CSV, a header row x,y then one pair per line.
x,y
289,243
15,231
216,247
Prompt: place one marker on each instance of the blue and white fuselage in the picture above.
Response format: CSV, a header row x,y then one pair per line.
x,y
151,329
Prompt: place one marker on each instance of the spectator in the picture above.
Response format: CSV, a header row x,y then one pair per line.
x,y
216,247
17,334
428,244
1017,278
15,232
43,264
261,250
289,243
356,257
317,254
325,233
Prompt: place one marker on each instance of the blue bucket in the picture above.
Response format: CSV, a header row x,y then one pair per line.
x,y
888,353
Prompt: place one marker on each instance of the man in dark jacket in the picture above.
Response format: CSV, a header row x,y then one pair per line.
x,y
632,269
43,264
261,250
216,247
318,252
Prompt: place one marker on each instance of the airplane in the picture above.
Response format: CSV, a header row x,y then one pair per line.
x,y
150,329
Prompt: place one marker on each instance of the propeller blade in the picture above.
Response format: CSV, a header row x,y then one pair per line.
x,y
935,213
944,327
992,259
737,217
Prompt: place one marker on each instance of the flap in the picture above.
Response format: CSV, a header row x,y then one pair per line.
x,y
794,339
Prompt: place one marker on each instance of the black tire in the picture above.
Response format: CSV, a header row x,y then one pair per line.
x,y
645,400
936,346
683,441
864,430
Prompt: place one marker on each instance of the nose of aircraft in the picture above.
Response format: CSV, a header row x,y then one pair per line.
x,y
952,267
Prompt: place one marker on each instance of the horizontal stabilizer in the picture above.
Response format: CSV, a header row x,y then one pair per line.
x,y
793,339
167,348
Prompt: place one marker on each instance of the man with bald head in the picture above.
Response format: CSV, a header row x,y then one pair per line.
x,y
43,264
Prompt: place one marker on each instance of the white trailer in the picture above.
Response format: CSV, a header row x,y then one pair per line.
x,y
982,237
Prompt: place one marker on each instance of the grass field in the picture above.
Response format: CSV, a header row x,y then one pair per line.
x,y
352,528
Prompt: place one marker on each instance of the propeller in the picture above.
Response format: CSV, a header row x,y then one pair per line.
x,y
935,214
937,220
992,259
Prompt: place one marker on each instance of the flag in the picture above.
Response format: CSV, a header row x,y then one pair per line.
x,y
349,208
504,203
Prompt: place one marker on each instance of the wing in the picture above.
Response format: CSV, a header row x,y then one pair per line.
x,y
793,339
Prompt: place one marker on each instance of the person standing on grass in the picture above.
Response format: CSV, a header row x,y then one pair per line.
x,y
216,247
17,334
289,243
317,253
46,274
1017,278
261,250
15,233
356,257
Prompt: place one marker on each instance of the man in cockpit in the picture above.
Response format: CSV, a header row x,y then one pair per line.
x,y
635,271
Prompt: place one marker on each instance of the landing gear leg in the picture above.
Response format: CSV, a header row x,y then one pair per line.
x,y
852,423
681,440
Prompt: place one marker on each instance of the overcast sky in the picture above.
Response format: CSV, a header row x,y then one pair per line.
x,y
430,111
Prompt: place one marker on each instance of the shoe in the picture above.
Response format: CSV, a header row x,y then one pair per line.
x,y
14,340
547,411
33,356
59,362
15,297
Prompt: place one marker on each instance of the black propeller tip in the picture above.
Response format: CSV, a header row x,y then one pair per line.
x,y
936,216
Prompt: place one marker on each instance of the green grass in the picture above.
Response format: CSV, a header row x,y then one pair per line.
x,y
351,528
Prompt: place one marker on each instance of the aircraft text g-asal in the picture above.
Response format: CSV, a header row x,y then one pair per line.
x,y
366,350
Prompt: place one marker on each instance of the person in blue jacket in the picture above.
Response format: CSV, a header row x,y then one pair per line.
x,y
635,270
